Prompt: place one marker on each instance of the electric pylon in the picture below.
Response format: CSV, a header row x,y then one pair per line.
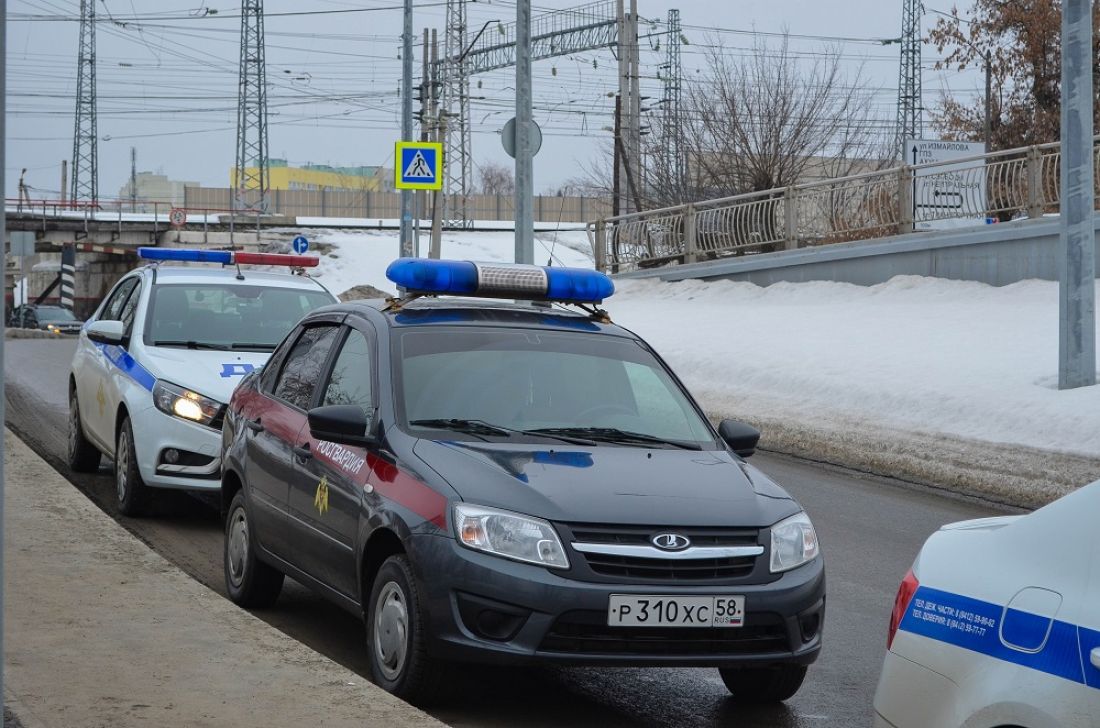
x,y
909,81
85,179
251,174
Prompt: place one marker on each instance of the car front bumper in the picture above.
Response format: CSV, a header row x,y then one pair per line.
x,y
200,451
484,608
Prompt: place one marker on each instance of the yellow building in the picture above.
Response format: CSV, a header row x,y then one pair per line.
x,y
320,176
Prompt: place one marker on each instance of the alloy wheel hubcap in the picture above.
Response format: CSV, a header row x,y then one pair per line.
x,y
122,464
391,631
238,546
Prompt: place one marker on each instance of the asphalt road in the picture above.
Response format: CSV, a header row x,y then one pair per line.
x,y
870,528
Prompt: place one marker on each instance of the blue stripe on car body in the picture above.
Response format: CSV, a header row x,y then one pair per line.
x,y
1060,648
128,365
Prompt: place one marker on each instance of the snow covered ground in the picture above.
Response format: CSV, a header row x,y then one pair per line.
x,y
908,377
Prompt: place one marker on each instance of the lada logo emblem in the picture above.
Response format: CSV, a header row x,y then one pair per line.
x,y
671,541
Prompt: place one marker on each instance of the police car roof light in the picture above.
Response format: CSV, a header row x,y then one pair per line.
x,y
297,261
225,257
500,280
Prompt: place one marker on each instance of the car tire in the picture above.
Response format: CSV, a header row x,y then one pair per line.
x,y
396,639
132,493
759,685
248,581
83,457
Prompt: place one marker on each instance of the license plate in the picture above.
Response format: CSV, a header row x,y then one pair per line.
x,y
649,610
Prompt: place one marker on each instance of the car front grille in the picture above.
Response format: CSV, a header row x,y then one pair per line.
x,y
661,566
587,632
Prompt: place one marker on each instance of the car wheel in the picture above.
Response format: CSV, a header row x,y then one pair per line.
x,y
248,581
399,661
82,455
131,489
763,684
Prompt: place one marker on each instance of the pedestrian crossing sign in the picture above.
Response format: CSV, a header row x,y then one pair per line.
x,y
418,166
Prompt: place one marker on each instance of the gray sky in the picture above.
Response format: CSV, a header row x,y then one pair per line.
x,y
167,81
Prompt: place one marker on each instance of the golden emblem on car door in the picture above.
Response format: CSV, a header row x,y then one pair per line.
x,y
320,498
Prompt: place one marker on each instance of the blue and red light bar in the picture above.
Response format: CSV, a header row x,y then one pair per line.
x,y
227,257
500,280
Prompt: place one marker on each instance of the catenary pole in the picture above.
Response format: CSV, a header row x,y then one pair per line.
x,y
1077,261
406,248
525,183
3,241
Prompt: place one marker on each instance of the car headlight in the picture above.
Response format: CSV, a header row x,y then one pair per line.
x,y
510,535
53,329
172,399
794,542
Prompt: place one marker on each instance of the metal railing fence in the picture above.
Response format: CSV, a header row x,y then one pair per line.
x,y
994,187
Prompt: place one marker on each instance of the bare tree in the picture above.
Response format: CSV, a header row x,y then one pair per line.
x,y
496,179
772,119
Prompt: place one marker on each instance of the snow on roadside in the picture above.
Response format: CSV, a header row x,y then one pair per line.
x,y
926,355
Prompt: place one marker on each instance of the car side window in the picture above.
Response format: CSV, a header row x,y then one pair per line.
x,y
350,382
304,364
126,313
112,310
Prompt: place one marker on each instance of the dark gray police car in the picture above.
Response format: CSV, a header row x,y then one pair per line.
x,y
485,481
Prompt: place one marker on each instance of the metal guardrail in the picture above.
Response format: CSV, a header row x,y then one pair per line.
x,y
1002,185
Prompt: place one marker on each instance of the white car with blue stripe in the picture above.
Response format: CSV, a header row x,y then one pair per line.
x,y
155,365
998,624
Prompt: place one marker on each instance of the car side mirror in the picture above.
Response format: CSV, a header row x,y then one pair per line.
x,y
344,424
740,437
107,332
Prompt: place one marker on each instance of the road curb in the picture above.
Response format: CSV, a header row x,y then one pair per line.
x,y
101,630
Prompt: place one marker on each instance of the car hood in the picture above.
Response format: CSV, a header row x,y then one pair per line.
x,y
609,484
214,374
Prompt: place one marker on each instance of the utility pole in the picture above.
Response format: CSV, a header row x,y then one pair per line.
x,y
85,178
133,179
64,179
525,182
3,238
406,248
909,124
252,174
439,126
988,103
1077,261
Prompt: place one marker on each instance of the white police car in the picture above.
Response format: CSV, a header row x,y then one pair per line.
x,y
158,360
998,624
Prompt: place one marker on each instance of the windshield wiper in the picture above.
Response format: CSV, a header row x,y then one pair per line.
x,y
193,345
614,434
257,346
473,427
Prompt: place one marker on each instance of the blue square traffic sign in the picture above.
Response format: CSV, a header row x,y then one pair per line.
x,y
418,166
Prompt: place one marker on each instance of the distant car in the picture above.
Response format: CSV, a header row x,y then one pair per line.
x,y
998,624
55,319
156,364
487,481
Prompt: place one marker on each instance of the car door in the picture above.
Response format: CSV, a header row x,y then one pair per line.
x,y
327,488
95,369
1088,632
273,423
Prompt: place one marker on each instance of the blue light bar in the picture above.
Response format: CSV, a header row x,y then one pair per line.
x,y
500,280
224,257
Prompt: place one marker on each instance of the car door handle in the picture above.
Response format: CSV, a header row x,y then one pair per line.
x,y
1094,657
254,425
302,453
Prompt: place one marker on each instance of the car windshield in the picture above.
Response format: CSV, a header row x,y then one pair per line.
x,y
226,316
54,315
526,383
